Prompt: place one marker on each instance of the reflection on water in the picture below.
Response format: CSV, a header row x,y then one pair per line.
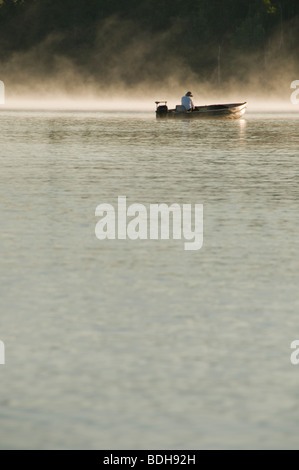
x,y
122,344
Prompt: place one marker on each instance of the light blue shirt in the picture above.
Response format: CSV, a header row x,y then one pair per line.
x,y
187,102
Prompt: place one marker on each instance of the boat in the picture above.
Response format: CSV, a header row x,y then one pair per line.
x,y
214,111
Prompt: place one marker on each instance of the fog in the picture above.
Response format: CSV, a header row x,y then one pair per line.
x,y
45,96
141,73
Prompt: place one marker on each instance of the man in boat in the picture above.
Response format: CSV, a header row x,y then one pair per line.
x,y
187,102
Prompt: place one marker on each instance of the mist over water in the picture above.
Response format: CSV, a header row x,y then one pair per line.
x,y
143,100
75,91
39,79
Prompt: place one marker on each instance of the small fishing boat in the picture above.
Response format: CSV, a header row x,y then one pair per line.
x,y
214,111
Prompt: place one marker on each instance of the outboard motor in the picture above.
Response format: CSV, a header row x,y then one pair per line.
x,y
161,109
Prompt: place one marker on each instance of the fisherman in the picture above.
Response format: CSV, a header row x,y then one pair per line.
x,y
187,102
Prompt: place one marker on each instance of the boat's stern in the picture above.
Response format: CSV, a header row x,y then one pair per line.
x,y
161,109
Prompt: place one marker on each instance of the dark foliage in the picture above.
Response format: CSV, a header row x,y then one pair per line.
x,y
134,36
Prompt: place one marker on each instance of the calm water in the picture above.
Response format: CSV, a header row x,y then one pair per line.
x,y
131,345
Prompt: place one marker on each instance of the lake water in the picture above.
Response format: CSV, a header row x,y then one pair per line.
x,y
139,344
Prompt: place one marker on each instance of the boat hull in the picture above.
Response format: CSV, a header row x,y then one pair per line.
x,y
216,111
